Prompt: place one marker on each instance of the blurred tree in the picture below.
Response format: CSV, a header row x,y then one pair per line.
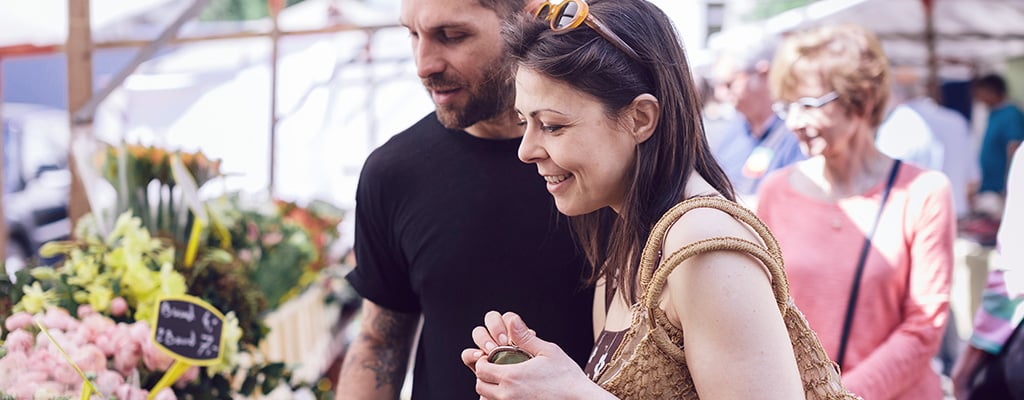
x,y
238,10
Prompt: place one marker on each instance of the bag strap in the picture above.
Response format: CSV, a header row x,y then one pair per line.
x,y
851,305
653,280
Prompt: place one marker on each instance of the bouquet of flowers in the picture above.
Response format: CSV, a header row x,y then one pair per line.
x,y
281,245
113,356
112,285
105,289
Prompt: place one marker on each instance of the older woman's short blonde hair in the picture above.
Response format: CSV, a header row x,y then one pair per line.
x,y
847,57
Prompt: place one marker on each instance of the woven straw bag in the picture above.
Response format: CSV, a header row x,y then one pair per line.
x,y
650,362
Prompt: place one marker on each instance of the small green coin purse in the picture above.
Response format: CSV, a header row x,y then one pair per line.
x,y
508,355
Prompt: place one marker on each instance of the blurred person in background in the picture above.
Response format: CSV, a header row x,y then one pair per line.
x,y
1002,306
759,142
948,128
1003,133
905,134
450,224
849,206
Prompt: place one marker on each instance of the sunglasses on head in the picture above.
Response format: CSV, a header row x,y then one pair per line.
x,y
570,14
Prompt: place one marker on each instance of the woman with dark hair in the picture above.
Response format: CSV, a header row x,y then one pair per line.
x,y
612,122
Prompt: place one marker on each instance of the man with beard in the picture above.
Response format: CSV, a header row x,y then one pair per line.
x,y
447,220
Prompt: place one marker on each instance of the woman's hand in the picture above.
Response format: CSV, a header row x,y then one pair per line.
x,y
963,370
549,374
486,339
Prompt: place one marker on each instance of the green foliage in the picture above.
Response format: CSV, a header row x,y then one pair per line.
x,y
280,245
769,8
146,186
221,279
206,387
238,10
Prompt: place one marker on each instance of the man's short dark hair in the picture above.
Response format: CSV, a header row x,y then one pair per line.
x,y
504,8
992,82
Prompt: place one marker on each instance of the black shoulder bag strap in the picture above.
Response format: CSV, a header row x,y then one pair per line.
x,y
860,266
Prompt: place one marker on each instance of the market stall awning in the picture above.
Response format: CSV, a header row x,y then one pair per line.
x,y
43,23
975,32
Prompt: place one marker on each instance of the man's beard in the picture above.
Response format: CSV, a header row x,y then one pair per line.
x,y
488,99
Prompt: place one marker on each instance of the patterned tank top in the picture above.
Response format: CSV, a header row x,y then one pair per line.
x,y
607,343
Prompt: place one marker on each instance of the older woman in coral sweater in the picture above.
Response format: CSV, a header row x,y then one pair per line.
x,y
832,83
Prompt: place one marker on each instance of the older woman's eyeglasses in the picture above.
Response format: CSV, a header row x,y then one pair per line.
x,y
784,109
570,14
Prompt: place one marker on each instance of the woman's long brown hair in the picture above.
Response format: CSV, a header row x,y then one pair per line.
x,y
583,59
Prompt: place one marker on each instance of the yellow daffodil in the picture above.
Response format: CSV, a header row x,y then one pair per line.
x,y
100,297
80,296
44,273
84,269
55,248
35,299
171,281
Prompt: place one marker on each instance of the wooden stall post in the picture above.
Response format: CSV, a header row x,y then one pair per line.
x,y
79,64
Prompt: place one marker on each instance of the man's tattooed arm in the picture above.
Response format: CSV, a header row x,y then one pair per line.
x,y
376,361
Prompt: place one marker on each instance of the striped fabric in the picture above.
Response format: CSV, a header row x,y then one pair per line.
x,y
997,316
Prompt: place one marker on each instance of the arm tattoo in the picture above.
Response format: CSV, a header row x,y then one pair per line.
x,y
389,357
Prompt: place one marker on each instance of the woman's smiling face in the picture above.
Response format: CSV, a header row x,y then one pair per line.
x,y
585,156
826,130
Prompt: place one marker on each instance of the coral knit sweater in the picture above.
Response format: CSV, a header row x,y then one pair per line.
x,y
902,307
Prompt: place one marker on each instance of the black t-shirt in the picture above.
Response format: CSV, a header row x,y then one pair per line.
x,y
451,226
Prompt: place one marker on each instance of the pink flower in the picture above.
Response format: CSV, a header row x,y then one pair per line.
x,y
245,255
139,332
155,359
48,390
126,358
165,394
95,325
106,343
118,306
58,318
19,341
11,367
108,381
126,392
190,375
18,321
65,374
91,359
252,232
272,238
85,310
33,377
42,361
23,390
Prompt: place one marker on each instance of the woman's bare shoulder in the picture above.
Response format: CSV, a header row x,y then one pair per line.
x,y
705,223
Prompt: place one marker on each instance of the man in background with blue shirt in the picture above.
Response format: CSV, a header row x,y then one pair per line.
x,y
1003,134
759,142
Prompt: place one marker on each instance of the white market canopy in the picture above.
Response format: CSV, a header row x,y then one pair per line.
x,y
43,23
976,33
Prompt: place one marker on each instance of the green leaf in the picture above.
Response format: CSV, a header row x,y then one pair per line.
x,y
273,370
249,385
222,386
269,384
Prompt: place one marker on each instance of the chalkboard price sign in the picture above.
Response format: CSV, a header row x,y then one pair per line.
x,y
189,330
